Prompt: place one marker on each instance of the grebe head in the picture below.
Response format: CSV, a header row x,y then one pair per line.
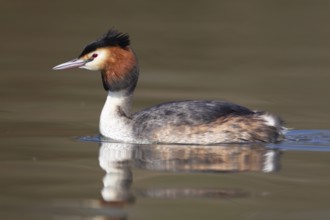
x,y
112,55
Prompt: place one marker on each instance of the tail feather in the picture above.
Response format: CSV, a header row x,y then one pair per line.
x,y
275,124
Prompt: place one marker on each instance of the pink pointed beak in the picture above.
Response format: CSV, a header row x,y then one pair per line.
x,y
70,64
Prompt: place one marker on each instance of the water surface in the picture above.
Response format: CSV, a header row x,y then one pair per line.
x,y
126,181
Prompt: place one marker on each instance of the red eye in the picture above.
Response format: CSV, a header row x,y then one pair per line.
x,y
94,55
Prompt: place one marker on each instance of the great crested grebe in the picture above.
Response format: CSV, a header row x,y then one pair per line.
x,y
185,122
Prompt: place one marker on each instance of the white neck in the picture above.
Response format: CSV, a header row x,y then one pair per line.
x,y
114,120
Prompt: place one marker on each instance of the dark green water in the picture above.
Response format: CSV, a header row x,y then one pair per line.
x,y
269,55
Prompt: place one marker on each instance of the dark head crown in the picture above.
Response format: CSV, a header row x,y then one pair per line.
x,y
112,38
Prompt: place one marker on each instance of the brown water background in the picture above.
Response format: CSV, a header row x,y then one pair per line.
x,y
269,55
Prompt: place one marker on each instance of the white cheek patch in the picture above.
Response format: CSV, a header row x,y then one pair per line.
x,y
98,62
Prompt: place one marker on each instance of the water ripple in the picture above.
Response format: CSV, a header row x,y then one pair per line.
x,y
299,140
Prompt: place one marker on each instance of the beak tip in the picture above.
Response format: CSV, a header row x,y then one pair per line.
x,y
55,68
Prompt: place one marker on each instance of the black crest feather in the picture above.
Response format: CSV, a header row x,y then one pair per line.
x,y
112,38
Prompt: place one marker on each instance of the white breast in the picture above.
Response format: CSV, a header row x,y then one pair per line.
x,y
114,119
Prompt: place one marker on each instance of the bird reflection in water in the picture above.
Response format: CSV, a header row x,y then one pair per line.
x,y
117,159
